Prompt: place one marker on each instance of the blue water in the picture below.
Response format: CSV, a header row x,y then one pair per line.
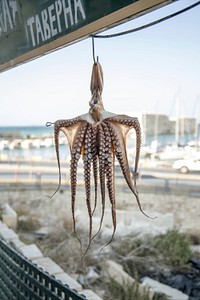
x,y
32,132
28,131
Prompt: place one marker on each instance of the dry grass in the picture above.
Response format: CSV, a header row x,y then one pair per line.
x,y
174,248
63,247
171,250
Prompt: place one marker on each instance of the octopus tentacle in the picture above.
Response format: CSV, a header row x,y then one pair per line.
x,y
120,152
95,174
132,123
95,165
58,125
75,156
101,154
87,161
109,169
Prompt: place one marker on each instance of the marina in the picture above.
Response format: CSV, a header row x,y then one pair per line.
x,y
37,142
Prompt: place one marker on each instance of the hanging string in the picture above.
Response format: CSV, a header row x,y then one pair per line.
x,y
93,51
146,25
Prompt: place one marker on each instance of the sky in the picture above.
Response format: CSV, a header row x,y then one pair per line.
x,y
143,72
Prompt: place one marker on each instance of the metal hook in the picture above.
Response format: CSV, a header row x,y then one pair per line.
x,y
93,51
48,124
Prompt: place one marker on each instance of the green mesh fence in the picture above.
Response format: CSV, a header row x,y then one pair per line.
x,y
21,279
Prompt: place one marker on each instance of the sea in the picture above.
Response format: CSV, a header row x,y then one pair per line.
x,y
42,132
29,132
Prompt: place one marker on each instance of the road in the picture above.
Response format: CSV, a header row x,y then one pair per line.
x,y
39,172
170,175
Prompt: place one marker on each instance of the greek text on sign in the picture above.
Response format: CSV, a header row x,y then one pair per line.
x,y
44,26
29,29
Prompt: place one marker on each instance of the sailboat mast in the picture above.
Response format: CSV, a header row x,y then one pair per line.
x,y
177,117
144,127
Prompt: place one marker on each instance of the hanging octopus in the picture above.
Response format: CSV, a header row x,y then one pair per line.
x,y
98,136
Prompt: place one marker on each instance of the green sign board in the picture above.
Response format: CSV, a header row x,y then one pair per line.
x,y
29,29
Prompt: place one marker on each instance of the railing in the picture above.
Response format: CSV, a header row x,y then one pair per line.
x,y
22,280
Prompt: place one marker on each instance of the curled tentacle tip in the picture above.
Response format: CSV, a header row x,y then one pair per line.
x,y
82,269
99,255
46,196
150,217
48,124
